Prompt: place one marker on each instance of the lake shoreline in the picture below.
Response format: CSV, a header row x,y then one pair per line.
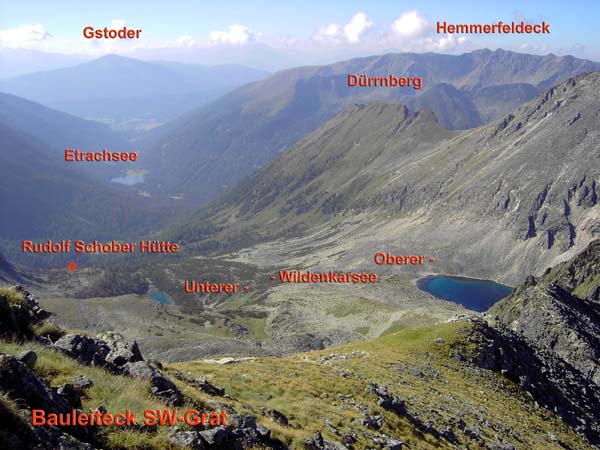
x,y
464,277
474,294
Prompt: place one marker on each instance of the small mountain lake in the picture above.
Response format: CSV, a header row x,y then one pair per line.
x,y
131,177
161,297
128,180
474,294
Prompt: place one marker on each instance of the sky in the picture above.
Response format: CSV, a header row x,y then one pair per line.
x,y
292,32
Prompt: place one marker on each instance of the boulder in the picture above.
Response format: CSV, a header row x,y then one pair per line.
x,y
24,386
387,401
186,439
86,350
263,432
155,363
349,439
201,384
20,382
110,350
393,444
121,351
238,421
28,358
218,438
53,438
276,416
248,434
318,443
36,310
68,392
162,386
374,422
82,382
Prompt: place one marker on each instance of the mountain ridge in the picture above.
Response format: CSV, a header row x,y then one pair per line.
x,y
485,177
210,149
123,91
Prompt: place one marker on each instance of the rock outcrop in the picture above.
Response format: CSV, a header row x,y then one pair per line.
x,y
18,313
110,351
546,378
241,432
22,385
162,386
113,353
558,312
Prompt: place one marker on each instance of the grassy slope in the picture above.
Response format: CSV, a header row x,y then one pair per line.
x,y
296,387
330,385
116,393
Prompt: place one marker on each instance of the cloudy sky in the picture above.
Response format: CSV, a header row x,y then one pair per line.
x,y
256,32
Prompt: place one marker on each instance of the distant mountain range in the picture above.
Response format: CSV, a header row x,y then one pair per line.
x,y
491,171
20,61
501,200
128,93
210,149
352,163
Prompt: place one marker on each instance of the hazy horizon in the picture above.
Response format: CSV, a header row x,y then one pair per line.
x,y
64,60
243,34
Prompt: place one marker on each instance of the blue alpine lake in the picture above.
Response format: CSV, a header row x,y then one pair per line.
x,y
128,180
160,297
474,294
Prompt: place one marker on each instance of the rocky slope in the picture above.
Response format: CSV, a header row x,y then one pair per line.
x,y
375,178
96,374
548,313
439,387
542,343
498,201
547,378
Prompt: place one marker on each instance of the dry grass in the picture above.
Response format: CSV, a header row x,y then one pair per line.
x,y
116,393
309,392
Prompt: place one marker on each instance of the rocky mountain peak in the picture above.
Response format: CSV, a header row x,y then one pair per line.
x,y
568,100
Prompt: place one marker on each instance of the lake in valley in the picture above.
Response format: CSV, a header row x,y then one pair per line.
x,y
474,294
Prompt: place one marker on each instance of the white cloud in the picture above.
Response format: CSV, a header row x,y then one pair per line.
x,y
358,25
185,40
24,36
352,32
331,31
117,23
409,24
287,41
537,48
444,43
237,34
412,32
